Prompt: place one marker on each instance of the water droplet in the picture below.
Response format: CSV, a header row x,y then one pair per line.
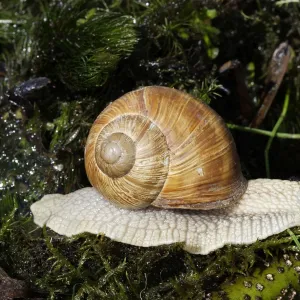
x,y
247,284
259,287
270,277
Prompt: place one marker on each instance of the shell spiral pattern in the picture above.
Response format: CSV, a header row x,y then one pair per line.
x,y
158,146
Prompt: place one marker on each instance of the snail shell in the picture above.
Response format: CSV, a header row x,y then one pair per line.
x,y
161,147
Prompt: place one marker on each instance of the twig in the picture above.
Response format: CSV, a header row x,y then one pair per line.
x,y
276,70
238,75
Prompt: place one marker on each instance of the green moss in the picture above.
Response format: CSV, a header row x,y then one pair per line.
x,y
8,207
89,266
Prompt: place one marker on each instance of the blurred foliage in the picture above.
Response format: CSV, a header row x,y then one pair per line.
x,y
85,46
81,48
92,52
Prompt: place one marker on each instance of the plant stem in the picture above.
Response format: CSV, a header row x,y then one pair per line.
x,y
295,239
281,135
274,131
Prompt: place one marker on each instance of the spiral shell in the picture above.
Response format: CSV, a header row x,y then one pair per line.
x,y
158,146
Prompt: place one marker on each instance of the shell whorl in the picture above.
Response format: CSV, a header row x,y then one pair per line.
x,y
115,154
132,161
158,146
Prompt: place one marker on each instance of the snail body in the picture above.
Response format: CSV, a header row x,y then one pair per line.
x,y
156,149
161,147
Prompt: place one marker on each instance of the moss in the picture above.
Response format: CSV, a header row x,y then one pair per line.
x,y
89,266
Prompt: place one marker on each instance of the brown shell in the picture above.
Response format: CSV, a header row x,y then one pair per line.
x,y
168,150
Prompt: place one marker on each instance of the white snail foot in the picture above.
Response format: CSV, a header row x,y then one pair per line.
x,y
268,207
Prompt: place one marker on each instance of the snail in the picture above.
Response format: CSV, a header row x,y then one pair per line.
x,y
164,169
